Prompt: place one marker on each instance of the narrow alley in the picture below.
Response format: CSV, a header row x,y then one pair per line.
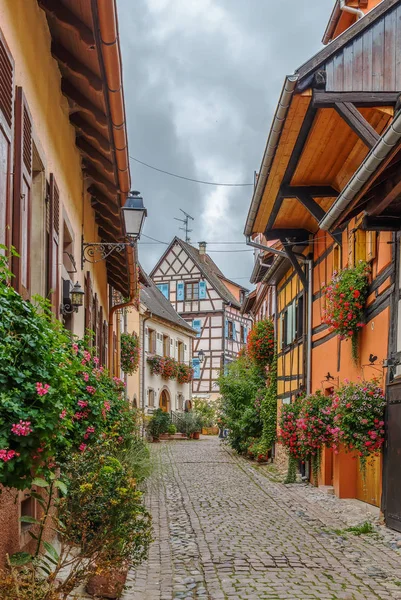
x,y
224,530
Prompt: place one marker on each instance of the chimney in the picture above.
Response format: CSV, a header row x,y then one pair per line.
x,y
202,248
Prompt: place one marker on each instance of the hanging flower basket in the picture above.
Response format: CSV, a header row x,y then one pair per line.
x,y
156,364
261,344
129,353
169,368
359,418
185,373
346,297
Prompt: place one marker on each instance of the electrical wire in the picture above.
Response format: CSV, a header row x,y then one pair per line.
x,y
190,178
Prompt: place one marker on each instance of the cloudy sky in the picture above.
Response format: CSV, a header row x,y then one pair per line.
x,y
202,80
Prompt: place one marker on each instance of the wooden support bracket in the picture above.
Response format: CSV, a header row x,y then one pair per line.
x,y
358,123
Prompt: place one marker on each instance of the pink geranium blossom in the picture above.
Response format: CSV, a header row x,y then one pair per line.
x,y
42,389
23,428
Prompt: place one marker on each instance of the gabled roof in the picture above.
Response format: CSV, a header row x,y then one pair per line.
x,y
158,305
248,302
207,267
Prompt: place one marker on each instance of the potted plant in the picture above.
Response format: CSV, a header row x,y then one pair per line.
x,y
158,424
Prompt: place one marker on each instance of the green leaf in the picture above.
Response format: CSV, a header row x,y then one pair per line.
x,y
40,482
35,537
39,498
27,519
61,486
51,550
20,558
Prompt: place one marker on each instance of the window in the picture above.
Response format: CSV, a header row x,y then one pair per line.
x,y
230,330
180,352
300,317
288,325
6,138
191,291
337,258
166,345
244,334
151,398
151,341
27,507
164,288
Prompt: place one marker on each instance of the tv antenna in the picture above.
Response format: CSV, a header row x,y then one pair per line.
x,y
186,224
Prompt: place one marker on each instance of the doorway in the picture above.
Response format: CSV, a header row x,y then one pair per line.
x,y
164,401
392,485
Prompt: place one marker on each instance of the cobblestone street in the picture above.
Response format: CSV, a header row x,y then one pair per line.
x,y
225,530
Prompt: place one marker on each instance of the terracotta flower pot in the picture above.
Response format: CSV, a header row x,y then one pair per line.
x,y
107,585
195,435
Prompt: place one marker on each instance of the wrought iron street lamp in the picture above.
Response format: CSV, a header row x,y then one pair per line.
x,y
74,300
133,214
201,356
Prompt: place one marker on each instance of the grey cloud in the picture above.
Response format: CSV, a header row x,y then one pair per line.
x,y
201,88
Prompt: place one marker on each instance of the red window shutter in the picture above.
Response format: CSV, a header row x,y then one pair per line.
x,y
6,139
53,283
101,341
105,343
21,232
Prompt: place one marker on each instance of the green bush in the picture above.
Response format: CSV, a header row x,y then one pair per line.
x,y
189,423
159,423
172,429
241,388
206,411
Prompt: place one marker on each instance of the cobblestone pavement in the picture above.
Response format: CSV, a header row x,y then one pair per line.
x,y
224,530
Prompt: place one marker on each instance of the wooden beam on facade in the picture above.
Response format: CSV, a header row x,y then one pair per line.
x,y
75,67
322,99
358,123
93,134
384,195
94,155
299,235
100,180
69,20
387,223
316,191
297,267
83,103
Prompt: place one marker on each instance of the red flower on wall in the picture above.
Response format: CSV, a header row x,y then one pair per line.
x,y
261,343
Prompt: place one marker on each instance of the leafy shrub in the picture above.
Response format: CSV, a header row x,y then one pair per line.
x,y
189,423
172,429
159,423
239,387
206,410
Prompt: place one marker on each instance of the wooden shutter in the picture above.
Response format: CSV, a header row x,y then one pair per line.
x,y
88,303
94,322
159,344
202,290
6,139
105,343
53,284
22,193
180,291
147,348
100,328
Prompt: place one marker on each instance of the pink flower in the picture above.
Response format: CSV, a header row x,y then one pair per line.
x,y
75,348
6,455
42,389
82,403
89,430
107,405
83,362
82,447
85,376
22,428
96,360
63,414
90,389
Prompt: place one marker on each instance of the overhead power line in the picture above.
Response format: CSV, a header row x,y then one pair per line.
x,y
189,178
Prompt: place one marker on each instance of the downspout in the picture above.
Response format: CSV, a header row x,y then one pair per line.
x,y
309,325
143,366
350,9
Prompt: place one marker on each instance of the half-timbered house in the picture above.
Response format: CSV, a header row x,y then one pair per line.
x,y
334,110
210,303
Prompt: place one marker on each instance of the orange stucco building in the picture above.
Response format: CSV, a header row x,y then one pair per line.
x,y
332,112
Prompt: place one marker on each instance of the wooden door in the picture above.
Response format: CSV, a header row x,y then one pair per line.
x,y
392,509
164,402
369,488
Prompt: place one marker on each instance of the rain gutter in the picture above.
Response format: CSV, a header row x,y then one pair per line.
x,y
271,147
374,159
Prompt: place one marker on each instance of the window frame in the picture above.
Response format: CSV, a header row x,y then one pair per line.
x,y
194,287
